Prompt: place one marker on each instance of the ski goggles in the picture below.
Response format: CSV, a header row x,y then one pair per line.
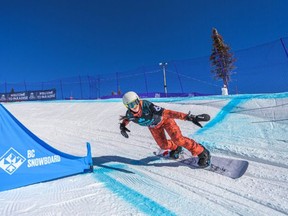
x,y
133,104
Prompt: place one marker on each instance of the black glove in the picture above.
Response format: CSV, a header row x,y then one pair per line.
x,y
196,118
124,130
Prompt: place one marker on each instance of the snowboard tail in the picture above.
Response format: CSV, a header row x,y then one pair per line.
x,y
232,168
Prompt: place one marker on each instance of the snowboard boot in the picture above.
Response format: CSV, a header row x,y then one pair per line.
x,y
175,153
204,158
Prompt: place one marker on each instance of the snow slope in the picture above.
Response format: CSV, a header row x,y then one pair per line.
x,y
129,180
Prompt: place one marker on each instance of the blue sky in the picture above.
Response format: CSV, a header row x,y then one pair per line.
x,y
42,40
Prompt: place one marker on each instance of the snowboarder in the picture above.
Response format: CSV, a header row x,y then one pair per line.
x,y
159,120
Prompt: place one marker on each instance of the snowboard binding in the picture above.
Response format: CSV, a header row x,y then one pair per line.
x,y
175,153
204,158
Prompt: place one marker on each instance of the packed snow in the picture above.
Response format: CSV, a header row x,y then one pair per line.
x,y
129,180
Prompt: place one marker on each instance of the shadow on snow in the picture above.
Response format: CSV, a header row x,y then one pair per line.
x,y
101,161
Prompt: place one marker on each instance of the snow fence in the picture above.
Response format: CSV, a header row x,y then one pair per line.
x,y
25,159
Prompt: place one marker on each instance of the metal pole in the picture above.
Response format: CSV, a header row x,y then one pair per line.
x,y
145,76
117,83
99,89
81,87
164,75
61,87
179,78
284,47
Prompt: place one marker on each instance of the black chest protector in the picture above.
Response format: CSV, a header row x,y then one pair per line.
x,y
151,114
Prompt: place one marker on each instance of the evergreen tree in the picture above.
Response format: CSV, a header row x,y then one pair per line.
x,y
222,60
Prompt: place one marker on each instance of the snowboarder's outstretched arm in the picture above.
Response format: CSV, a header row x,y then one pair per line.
x,y
188,117
197,118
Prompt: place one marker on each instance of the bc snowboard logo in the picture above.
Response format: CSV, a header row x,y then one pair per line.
x,y
11,161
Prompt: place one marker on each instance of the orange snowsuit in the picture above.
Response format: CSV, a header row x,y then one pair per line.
x,y
160,120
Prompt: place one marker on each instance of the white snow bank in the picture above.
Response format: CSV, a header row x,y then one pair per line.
x,y
127,180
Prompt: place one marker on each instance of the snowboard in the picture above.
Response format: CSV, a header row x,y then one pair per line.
x,y
232,168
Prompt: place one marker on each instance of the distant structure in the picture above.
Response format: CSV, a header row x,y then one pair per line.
x,y
224,90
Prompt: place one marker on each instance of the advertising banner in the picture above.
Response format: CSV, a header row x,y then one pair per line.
x,y
28,96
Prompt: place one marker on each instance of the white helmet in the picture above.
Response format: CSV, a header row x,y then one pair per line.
x,y
130,98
